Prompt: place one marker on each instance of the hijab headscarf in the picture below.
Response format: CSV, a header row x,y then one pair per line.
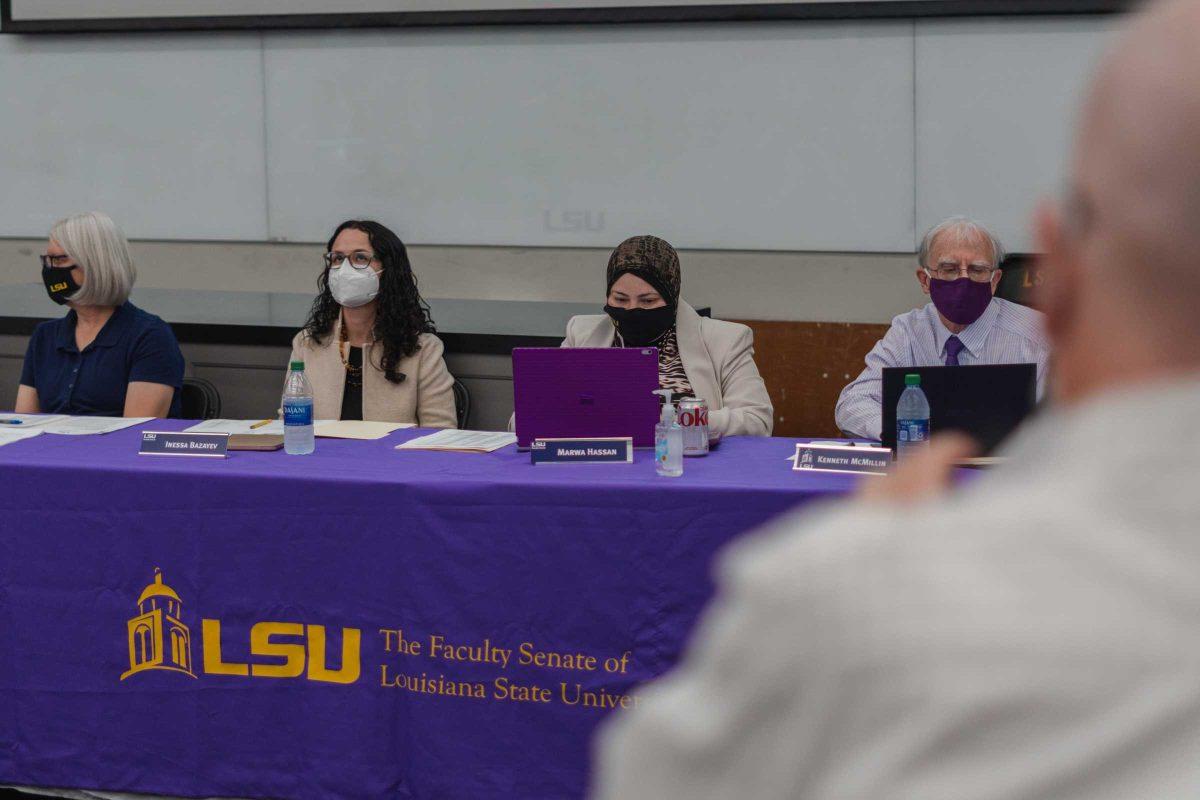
x,y
657,263
652,260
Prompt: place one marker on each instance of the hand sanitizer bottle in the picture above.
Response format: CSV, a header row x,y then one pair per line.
x,y
668,440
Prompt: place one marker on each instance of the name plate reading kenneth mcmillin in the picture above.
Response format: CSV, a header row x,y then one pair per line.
x,y
167,443
582,451
854,459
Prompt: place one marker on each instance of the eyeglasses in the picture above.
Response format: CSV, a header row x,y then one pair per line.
x,y
359,259
981,273
54,261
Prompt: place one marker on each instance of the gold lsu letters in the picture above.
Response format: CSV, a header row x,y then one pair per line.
x,y
264,641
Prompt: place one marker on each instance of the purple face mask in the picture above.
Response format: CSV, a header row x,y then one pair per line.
x,y
962,301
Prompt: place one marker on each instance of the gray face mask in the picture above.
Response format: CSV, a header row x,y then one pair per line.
x,y
353,287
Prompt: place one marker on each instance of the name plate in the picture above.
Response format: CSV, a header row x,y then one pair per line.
x,y
203,445
854,459
582,451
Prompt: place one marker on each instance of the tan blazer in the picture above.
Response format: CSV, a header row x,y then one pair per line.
x,y
424,397
718,358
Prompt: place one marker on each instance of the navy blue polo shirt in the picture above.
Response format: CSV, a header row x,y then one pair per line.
x,y
132,346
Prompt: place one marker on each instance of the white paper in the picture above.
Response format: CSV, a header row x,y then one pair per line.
x,y
357,429
237,426
8,437
84,426
332,428
476,441
27,421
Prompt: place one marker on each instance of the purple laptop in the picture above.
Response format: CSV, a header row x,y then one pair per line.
x,y
585,392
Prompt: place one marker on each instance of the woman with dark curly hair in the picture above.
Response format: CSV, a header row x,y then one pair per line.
x,y
369,346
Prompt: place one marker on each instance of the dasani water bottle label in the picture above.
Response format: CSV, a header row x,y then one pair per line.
x,y
912,430
298,412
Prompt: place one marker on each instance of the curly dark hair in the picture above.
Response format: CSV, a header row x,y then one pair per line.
x,y
402,315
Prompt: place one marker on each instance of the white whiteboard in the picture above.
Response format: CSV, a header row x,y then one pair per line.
x,y
792,137
163,133
996,106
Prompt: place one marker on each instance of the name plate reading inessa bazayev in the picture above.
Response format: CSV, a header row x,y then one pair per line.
x,y
164,443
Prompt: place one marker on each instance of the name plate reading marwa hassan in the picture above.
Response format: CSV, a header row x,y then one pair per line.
x,y
582,451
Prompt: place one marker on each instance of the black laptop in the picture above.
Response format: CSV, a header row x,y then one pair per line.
x,y
985,401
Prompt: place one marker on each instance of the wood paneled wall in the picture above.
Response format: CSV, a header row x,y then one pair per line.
x,y
805,365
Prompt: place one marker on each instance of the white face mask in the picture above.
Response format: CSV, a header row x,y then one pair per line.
x,y
353,287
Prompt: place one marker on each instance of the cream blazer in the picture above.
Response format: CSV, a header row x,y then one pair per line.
x,y
424,397
718,358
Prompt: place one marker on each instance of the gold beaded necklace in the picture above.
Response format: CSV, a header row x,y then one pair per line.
x,y
354,374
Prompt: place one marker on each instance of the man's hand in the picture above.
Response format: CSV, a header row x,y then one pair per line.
x,y
922,477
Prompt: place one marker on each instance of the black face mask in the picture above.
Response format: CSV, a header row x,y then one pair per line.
x,y
641,326
59,283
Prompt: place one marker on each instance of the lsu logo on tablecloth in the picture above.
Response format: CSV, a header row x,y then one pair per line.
x,y
158,639
159,623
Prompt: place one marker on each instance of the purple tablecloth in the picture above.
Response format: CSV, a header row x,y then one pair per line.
x,y
351,623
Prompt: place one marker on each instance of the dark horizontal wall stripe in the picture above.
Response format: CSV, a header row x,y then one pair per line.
x,y
188,333
570,16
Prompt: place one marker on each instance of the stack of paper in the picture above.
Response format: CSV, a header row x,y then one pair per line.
x,y
24,426
460,441
238,426
355,429
23,422
83,426
328,428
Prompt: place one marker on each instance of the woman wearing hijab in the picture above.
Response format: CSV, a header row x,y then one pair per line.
x,y
697,356
369,347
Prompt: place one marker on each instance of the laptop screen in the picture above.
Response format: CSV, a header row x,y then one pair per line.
x,y
987,401
585,392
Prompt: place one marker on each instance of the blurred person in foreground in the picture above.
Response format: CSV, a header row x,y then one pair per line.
x,y
1036,632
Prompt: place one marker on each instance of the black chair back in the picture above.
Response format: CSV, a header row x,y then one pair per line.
x,y
462,404
199,399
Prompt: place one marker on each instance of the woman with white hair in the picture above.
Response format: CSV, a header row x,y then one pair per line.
x,y
106,357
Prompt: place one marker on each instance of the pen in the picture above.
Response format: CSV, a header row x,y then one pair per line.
x,y
12,421
257,425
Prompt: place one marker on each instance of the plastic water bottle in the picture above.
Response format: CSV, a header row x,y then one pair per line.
x,y
912,419
298,437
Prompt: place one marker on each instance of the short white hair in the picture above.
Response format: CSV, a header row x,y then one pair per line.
x,y
97,246
963,229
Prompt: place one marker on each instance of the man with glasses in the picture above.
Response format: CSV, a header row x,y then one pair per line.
x,y
965,324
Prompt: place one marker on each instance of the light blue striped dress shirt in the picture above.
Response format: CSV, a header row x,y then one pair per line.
x,y
1007,333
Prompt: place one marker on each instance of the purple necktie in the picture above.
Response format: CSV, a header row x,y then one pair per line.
x,y
954,346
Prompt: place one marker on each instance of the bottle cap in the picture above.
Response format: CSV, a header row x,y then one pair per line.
x,y
912,380
297,366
